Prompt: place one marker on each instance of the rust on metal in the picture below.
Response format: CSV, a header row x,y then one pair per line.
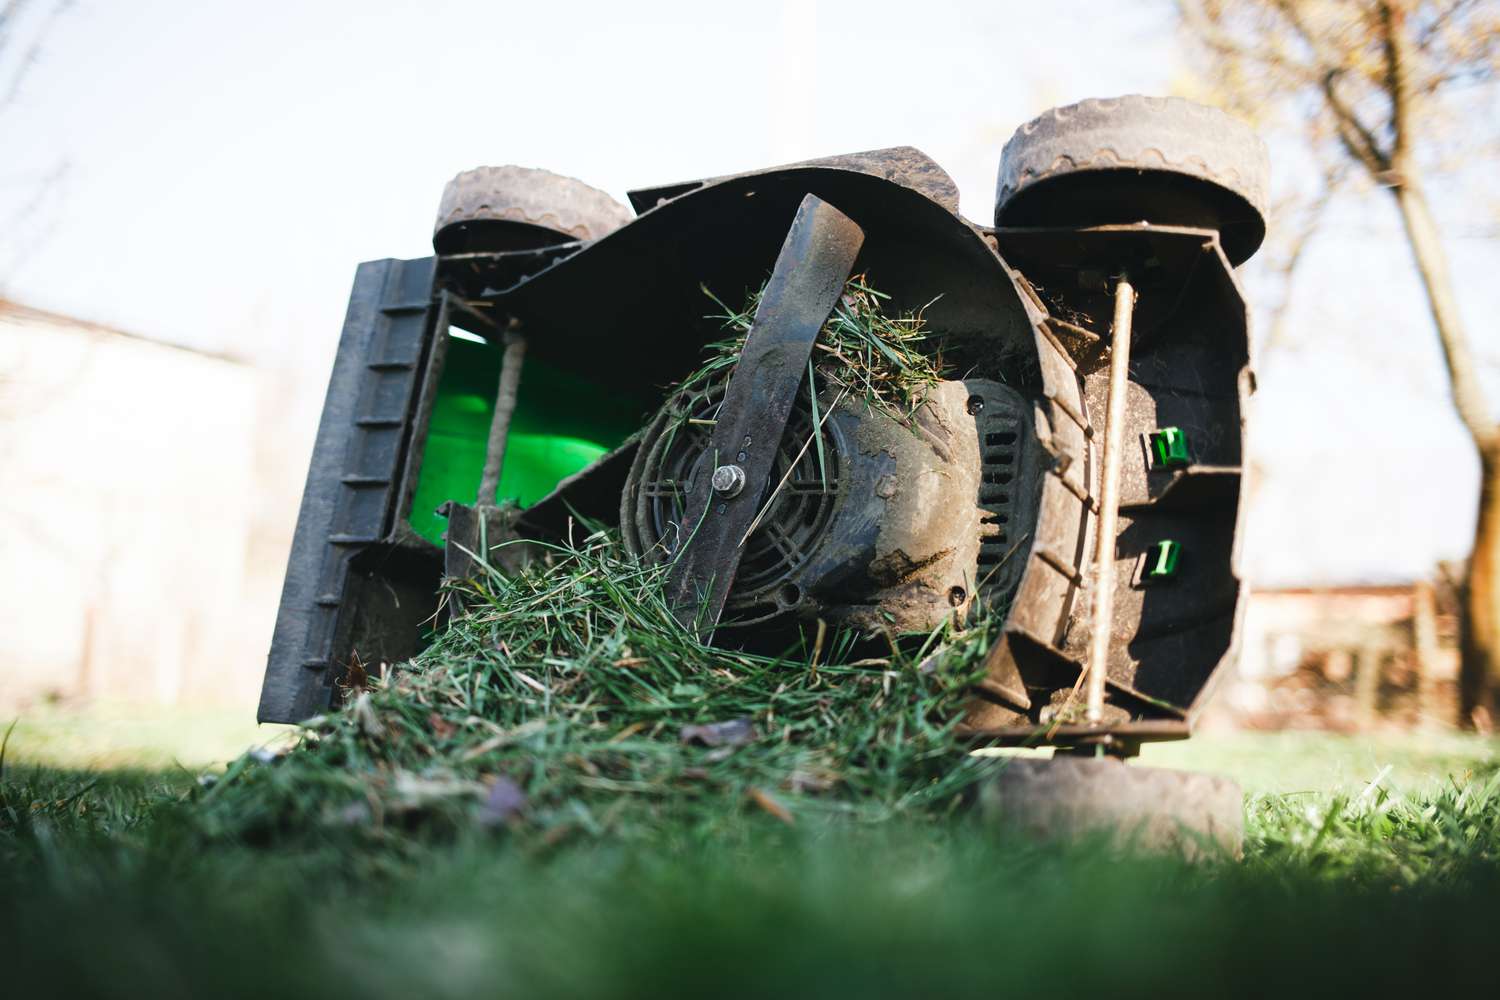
x,y
1109,500
505,407
815,261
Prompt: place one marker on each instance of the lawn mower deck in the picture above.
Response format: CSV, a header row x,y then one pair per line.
x,y
537,372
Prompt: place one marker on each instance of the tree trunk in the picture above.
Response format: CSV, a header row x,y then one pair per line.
x,y
1432,268
1479,678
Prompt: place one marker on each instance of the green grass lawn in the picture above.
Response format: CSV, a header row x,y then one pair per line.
x,y
108,887
1323,763
113,735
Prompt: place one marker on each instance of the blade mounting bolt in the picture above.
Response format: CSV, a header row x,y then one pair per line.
x,y
728,480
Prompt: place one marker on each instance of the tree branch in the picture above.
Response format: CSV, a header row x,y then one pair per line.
x,y
1358,139
1426,245
1397,79
28,62
1209,31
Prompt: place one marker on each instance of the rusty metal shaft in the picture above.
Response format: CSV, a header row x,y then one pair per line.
x,y
505,408
1109,501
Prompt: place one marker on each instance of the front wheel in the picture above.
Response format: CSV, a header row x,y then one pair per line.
x,y
1144,808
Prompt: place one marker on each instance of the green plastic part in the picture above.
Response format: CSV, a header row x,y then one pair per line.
x,y
563,421
1169,447
1161,560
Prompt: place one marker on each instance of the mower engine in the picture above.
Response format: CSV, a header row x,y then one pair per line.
x,y
893,529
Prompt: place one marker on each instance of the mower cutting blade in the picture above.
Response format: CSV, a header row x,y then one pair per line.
x,y
730,482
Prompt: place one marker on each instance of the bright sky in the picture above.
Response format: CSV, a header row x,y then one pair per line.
x,y
228,164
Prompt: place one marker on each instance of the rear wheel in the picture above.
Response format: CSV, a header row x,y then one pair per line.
x,y
1162,160
493,209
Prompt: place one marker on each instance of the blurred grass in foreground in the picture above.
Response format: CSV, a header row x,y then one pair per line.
x,y
107,889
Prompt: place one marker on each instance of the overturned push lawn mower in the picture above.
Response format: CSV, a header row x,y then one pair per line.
x,y
918,426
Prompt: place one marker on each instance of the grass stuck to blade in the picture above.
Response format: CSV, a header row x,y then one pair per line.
x,y
567,698
863,352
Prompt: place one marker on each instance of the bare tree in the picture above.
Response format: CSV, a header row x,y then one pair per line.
x,y
25,25
14,37
1371,83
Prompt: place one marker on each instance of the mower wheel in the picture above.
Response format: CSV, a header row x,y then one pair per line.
x,y
1141,808
493,209
1162,160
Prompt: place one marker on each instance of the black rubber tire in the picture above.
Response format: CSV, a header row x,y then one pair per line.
x,y
1143,808
513,208
1163,160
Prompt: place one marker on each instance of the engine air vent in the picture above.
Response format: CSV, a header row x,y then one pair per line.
x,y
1007,485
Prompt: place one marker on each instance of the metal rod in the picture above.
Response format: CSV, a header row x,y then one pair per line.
x,y
505,407
1109,500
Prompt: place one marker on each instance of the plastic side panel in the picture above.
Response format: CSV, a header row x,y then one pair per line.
x,y
355,460
1169,637
1042,603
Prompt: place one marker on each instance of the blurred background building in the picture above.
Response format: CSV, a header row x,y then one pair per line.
x,y
150,503
1346,658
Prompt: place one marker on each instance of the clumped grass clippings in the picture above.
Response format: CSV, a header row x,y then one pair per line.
x,y
862,352
573,683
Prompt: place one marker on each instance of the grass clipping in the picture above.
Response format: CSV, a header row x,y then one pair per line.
x,y
568,698
862,353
